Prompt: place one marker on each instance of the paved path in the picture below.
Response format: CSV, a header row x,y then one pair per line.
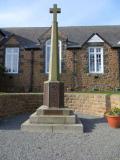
x,y
99,142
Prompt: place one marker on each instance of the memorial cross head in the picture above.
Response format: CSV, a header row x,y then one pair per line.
x,y
55,10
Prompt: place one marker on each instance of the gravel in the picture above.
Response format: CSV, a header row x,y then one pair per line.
x,y
99,142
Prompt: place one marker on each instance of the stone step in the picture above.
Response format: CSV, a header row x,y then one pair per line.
x,y
52,128
53,119
54,111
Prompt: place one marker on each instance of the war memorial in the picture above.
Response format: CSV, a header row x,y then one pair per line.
x,y
53,116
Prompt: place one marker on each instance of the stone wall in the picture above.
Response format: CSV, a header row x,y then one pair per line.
x,y
115,100
74,70
106,81
12,104
86,103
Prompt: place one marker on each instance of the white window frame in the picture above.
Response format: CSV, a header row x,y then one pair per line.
x,y
95,60
11,63
48,44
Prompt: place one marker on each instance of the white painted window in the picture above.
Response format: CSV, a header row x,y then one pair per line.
x,y
12,60
96,60
47,54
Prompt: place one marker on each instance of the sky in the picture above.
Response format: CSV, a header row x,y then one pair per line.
x,y
35,13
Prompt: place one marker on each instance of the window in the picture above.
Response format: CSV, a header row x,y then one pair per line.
x,y
95,60
11,60
47,54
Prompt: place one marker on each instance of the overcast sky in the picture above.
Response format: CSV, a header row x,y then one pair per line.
x,y
34,13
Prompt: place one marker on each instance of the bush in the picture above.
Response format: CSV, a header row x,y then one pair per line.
x,y
115,111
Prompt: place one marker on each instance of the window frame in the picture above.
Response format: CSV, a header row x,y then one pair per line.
x,y
18,56
95,60
46,55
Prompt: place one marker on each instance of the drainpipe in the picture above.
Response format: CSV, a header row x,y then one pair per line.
x,y
74,69
119,66
31,73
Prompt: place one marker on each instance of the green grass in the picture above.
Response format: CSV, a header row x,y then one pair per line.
x,y
6,93
72,92
95,92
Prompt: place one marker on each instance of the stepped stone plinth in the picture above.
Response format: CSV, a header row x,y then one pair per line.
x,y
56,120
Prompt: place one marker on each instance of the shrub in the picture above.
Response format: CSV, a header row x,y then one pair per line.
x,y
114,111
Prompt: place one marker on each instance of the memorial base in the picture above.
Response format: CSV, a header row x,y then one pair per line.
x,y
53,120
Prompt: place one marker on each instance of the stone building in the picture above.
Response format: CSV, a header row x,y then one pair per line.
x,y
89,58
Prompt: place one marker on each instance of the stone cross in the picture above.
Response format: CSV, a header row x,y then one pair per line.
x,y
55,10
54,53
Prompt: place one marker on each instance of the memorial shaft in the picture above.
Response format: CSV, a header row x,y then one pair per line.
x,y
53,88
54,57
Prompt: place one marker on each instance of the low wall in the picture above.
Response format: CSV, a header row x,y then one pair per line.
x,y
115,100
16,103
87,103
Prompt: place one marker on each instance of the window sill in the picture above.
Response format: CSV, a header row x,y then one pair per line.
x,y
8,73
95,75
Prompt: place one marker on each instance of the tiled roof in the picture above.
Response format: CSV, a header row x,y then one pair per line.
x,y
76,35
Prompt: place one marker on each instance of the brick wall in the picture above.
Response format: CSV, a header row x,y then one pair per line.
x,y
87,103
